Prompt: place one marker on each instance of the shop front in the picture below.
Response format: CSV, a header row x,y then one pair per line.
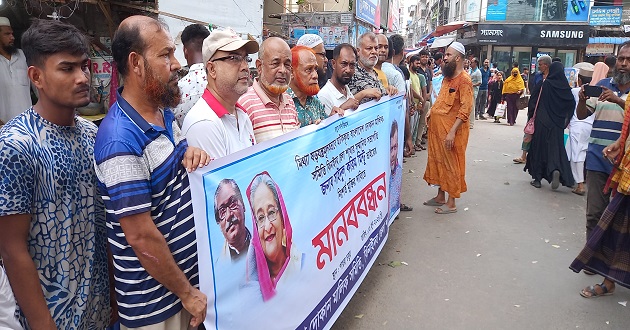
x,y
507,43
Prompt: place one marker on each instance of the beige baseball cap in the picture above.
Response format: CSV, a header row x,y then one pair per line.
x,y
4,21
226,40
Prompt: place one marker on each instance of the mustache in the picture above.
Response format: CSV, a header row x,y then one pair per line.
x,y
233,221
83,88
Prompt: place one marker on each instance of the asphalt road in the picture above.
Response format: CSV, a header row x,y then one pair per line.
x,y
501,262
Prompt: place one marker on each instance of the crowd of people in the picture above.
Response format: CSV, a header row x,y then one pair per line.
x,y
96,224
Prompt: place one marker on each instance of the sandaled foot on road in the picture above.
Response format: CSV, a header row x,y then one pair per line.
x,y
597,290
433,202
445,210
580,192
518,160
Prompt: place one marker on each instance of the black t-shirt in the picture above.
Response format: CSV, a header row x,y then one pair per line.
x,y
428,74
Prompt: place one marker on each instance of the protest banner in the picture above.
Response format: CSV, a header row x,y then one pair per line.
x,y
288,229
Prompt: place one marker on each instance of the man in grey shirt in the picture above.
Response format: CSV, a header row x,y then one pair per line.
x,y
475,76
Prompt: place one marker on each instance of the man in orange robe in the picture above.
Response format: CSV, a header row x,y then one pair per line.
x,y
448,132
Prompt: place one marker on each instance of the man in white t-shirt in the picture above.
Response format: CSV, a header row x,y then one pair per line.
x,y
15,90
216,123
336,92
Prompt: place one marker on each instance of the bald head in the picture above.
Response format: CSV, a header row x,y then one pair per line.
x,y
131,36
272,45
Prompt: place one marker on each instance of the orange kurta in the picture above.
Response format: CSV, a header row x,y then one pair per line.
x,y
447,168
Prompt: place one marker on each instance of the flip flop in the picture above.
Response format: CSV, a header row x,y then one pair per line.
x,y
447,211
518,160
432,202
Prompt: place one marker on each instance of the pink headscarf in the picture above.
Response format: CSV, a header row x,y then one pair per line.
x,y
599,72
267,285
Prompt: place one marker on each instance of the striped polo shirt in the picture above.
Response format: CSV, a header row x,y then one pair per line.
x,y
269,119
139,170
606,127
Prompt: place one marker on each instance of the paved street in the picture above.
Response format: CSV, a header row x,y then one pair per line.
x,y
501,264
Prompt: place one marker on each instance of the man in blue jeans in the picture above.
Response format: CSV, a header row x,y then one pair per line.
x,y
482,96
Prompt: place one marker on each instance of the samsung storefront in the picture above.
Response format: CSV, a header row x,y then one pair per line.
x,y
506,43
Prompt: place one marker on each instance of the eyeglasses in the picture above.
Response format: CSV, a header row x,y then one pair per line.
x,y
235,59
271,216
232,204
322,54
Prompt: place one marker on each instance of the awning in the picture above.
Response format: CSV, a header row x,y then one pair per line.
x,y
425,39
608,40
450,27
442,41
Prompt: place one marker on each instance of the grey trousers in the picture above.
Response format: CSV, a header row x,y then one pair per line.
x,y
596,200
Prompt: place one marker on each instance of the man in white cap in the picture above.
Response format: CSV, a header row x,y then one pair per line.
x,y
448,132
579,130
216,123
15,93
316,43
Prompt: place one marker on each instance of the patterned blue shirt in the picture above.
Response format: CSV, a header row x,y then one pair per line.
x,y
47,171
312,111
139,170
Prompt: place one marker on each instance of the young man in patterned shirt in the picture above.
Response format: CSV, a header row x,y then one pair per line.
x,y
52,227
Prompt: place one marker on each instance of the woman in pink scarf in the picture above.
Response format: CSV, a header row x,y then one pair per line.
x,y
272,238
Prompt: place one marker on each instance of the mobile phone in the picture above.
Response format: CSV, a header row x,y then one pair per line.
x,y
594,91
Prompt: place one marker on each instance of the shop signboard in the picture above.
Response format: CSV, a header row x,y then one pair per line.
x,y
606,15
600,49
332,35
552,35
577,10
369,12
496,10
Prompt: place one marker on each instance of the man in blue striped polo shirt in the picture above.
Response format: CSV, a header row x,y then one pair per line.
x,y
609,112
138,153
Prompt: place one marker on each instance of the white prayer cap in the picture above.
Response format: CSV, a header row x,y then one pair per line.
x,y
586,69
310,40
458,47
4,21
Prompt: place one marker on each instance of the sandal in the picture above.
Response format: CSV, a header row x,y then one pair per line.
x,y
518,160
404,207
578,192
439,210
590,292
432,202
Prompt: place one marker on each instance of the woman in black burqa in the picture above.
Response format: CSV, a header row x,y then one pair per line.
x,y
547,158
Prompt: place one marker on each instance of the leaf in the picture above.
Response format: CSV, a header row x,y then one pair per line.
x,y
394,264
358,316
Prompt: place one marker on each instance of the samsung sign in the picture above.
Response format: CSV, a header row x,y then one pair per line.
x,y
533,35
562,34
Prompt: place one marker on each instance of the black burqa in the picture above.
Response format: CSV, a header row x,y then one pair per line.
x,y
555,109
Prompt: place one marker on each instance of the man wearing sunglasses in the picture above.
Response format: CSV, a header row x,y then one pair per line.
x,y
216,123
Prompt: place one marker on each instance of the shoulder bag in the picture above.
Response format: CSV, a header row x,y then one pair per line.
x,y
529,127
